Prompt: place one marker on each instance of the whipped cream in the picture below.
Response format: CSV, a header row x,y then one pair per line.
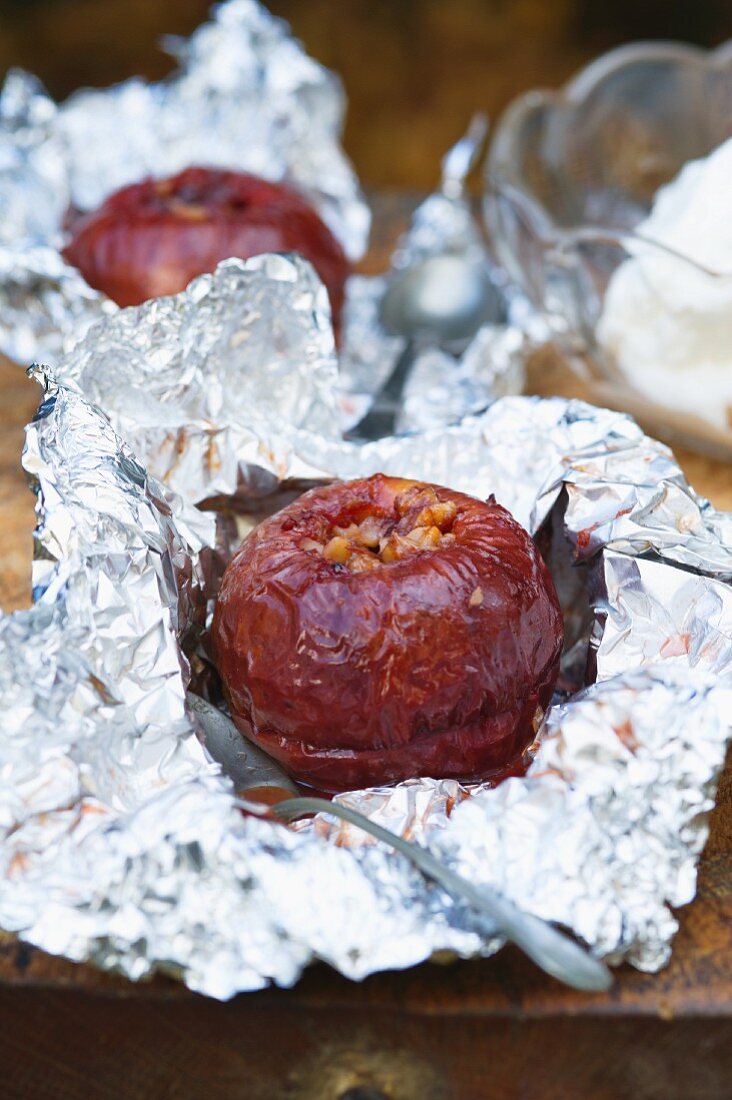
x,y
666,324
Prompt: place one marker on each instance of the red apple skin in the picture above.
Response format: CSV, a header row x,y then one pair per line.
x,y
151,238
357,679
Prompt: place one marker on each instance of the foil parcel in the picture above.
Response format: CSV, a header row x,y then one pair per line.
x,y
120,841
245,96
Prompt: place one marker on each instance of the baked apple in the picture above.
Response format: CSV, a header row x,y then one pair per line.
x,y
379,629
151,238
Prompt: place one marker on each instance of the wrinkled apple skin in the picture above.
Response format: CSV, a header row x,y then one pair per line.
x,y
151,238
356,679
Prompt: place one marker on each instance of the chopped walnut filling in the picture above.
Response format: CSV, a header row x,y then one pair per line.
x,y
192,212
422,522
187,208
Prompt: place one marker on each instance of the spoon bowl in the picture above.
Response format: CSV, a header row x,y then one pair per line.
x,y
443,298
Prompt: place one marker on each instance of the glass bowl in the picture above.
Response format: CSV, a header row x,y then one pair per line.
x,y
570,176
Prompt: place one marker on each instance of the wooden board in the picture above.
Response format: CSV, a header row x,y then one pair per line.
x,y
468,1030
19,398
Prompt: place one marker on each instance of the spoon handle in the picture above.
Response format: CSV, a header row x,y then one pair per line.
x,y
459,161
380,420
552,950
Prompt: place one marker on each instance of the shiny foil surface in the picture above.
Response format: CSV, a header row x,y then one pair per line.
x,y
232,387
245,96
120,841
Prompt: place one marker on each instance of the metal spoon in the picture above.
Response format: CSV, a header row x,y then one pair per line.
x,y
440,301
248,766
251,769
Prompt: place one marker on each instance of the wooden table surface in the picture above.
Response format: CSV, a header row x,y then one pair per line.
x,y
467,1030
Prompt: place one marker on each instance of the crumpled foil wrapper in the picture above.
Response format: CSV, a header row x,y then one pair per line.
x,y
120,841
245,96
231,388
208,386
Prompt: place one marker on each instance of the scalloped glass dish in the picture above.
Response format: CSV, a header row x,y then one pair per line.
x,y
570,176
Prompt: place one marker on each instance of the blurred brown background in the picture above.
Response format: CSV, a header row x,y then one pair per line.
x,y
414,70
